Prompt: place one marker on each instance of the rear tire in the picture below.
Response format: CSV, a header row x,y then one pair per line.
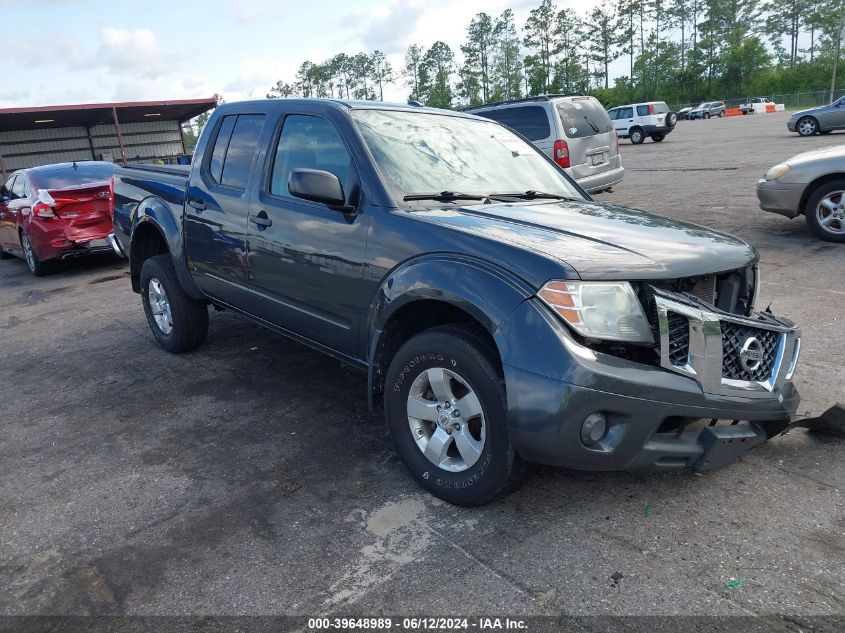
x,y
637,136
721,114
657,138
36,266
825,211
458,448
179,323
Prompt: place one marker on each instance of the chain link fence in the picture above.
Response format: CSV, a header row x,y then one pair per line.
x,y
792,101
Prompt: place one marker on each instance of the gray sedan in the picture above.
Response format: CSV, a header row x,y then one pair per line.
x,y
821,120
812,184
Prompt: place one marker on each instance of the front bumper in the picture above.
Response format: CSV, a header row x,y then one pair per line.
x,y
657,418
779,197
790,125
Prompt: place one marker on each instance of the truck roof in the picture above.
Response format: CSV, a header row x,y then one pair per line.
x,y
345,104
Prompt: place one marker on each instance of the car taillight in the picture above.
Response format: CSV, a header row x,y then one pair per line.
x,y
561,153
650,108
111,196
43,210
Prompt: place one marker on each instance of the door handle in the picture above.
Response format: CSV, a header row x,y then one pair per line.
x,y
198,204
261,220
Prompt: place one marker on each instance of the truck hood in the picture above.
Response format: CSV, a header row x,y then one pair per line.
x,y
601,241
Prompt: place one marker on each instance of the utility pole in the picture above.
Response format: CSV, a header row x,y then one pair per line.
x,y
839,35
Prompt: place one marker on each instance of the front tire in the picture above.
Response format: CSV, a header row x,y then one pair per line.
x,y
825,211
637,136
178,322
807,126
706,115
446,410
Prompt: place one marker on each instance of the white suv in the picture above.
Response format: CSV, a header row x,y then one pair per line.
x,y
636,121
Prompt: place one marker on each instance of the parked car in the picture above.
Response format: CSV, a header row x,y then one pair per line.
x,y
821,120
683,113
708,110
500,314
56,212
811,184
748,106
639,120
574,131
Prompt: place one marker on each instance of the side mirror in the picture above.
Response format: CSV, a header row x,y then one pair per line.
x,y
317,185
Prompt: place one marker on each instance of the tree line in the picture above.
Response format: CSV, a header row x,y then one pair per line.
x,y
678,51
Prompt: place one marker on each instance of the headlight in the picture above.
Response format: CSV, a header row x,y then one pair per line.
x,y
606,310
778,171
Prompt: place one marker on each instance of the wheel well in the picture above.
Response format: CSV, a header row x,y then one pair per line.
x,y
413,318
147,242
810,188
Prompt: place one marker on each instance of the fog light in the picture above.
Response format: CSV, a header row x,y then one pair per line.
x,y
593,429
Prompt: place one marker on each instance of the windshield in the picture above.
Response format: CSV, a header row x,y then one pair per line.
x,y
422,153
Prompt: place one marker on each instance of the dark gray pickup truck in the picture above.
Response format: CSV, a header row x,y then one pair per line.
x,y
501,315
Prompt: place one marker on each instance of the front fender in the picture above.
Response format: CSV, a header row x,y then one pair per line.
x,y
486,292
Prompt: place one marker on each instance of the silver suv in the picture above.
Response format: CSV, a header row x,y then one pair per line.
x,y
574,131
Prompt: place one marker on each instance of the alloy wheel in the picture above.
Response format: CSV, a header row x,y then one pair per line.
x,y
806,127
446,419
830,212
28,253
160,306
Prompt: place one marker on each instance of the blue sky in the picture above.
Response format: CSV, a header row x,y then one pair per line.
x,y
78,51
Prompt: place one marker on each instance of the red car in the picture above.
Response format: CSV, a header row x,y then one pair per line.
x,y
56,212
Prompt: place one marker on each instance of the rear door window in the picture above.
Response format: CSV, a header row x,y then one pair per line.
x,y
584,117
220,145
531,121
241,151
19,188
642,110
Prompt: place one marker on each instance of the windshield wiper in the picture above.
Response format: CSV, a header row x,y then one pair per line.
x,y
443,196
530,195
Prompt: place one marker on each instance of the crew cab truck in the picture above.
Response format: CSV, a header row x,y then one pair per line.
x,y
748,106
501,315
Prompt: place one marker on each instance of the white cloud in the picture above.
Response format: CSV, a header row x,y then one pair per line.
x,y
133,52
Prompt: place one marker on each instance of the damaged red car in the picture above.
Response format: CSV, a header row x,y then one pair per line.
x,y
56,212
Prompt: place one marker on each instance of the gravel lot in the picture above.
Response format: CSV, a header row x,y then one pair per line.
x,y
249,478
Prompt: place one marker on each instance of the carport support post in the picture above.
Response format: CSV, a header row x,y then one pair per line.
x,y
119,135
840,33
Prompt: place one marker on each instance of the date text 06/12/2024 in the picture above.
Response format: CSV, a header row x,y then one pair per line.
x,y
416,624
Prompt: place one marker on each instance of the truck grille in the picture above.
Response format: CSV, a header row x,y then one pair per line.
x,y
724,353
678,339
734,337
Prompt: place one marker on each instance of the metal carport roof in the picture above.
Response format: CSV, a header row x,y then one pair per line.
x,y
91,114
